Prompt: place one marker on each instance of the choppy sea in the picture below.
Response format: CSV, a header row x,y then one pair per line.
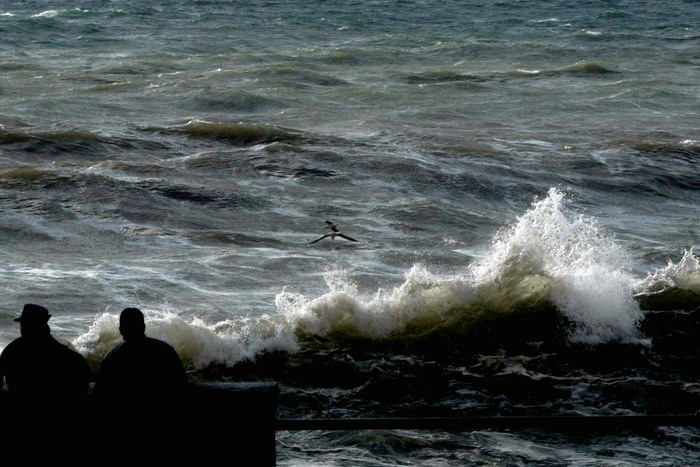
x,y
523,180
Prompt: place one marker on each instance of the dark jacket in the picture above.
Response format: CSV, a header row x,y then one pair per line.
x,y
43,366
141,367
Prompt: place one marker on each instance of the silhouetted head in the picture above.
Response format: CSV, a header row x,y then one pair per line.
x,y
34,321
131,323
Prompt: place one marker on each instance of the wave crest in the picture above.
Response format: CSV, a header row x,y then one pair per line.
x,y
675,287
584,269
241,133
198,344
583,68
547,258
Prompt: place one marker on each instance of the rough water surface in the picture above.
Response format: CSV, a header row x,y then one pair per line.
x,y
523,179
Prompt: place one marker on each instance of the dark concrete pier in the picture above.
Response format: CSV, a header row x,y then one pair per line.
x,y
234,423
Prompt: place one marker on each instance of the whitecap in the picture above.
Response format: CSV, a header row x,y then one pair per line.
x,y
546,20
46,14
585,268
549,254
685,275
198,344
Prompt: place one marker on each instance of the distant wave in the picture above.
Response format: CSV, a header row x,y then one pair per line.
x,y
240,133
437,77
300,76
580,68
583,68
76,141
233,101
686,149
68,135
22,176
46,14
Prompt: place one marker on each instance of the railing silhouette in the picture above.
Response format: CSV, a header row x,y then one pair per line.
x,y
555,422
231,421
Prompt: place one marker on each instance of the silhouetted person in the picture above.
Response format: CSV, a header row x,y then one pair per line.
x,y
141,366
36,364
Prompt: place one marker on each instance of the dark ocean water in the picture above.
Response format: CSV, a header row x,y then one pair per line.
x,y
523,179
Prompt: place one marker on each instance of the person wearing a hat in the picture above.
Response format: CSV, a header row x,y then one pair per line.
x,y
36,364
140,367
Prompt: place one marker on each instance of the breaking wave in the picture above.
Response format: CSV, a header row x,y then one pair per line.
x,y
200,345
675,287
550,261
549,257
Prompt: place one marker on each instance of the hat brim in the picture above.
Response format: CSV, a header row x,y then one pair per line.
x,y
20,319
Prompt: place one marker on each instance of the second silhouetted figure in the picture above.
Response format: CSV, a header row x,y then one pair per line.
x,y
140,367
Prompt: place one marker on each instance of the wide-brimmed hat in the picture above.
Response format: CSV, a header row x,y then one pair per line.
x,y
34,313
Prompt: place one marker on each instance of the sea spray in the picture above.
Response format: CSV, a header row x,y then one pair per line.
x,y
583,270
424,304
685,275
102,335
340,311
199,345
548,256
675,287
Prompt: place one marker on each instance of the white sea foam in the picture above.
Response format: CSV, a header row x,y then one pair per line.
x,y
199,345
685,275
46,14
547,254
546,20
584,270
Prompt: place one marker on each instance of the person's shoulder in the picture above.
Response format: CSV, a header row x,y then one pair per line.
x,y
61,344
162,349
71,352
13,346
15,343
66,354
157,343
114,350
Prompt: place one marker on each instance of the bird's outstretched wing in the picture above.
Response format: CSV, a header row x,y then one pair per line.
x,y
347,238
319,239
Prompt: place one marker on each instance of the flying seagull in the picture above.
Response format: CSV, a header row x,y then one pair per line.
x,y
334,233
